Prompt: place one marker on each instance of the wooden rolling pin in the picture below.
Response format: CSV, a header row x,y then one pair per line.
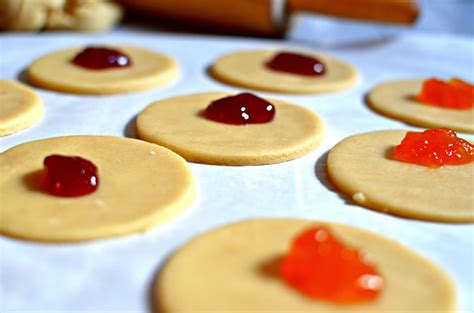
x,y
270,17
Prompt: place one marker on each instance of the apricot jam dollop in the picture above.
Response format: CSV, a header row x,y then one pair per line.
x,y
434,148
453,94
244,108
70,176
100,58
321,267
296,63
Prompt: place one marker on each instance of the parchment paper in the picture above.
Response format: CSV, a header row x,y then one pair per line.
x,y
115,275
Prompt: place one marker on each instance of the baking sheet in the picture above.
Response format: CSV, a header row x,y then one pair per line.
x,y
115,275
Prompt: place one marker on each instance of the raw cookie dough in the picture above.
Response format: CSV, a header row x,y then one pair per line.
x,y
247,69
362,167
396,99
149,69
37,15
141,185
234,269
20,107
177,123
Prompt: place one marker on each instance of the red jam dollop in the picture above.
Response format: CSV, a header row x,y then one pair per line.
x,y
70,176
295,63
453,94
244,108
434,148
98,58
321,267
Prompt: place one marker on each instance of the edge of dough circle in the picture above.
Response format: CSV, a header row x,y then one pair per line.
x,y
234,268
361,166
247,69
141,185
21,107
178,124
149,69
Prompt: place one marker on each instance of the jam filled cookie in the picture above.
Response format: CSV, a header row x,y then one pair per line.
x,y
429,103
286,265
425,176
88,187
243,129
285,72
103,70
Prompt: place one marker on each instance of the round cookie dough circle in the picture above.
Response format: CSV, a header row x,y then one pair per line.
x,y
141,185
247,69
149,69
234,269
395,99
361,167
20,107
178,124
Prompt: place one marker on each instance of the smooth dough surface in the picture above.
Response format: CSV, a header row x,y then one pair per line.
x,y
20,107
396,99
234,269
150,69
141,185
361,167
247,69
177,123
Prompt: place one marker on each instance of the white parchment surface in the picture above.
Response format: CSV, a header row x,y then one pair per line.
x,y
115,275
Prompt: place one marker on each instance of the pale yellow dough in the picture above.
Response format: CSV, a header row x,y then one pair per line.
x,y
37,15
362,167
233,269
178,124
396,99
20,107
141,185
150,69
247,69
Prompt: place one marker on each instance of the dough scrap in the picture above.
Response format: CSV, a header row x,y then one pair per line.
x,y
395,99
20,107
361,167
150,69
234,269
141,185
247,69
36,15
177,123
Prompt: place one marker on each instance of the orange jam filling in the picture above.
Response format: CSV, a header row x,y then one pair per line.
x,y
321,267
434,148
453,94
